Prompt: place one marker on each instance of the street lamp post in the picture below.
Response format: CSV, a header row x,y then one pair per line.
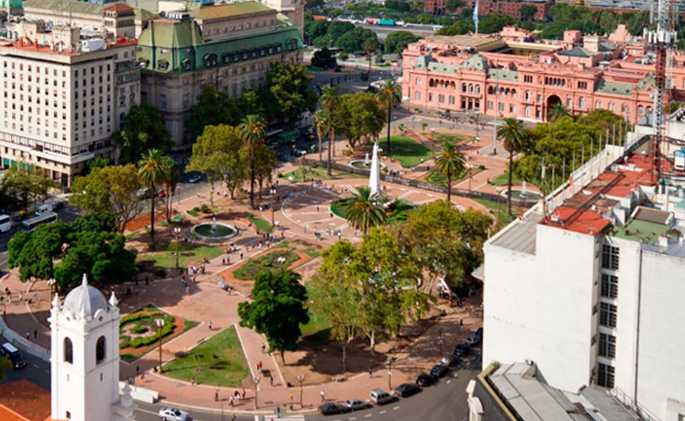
x,y
51,283
390,361
300,379
440,334
160,324
177,233
256,380
272,192
477,125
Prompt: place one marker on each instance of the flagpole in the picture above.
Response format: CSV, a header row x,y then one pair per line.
x,y
475,15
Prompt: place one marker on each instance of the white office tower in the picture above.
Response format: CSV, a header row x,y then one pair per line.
x,y
593,292
85,358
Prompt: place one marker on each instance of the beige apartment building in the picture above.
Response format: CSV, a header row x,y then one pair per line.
x,y
231,46
63,96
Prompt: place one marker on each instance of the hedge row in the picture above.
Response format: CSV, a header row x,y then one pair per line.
x,y
167,329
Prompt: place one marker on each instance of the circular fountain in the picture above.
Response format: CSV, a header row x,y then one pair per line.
x,y
364,164
214,230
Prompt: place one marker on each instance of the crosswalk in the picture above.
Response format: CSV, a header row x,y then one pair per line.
x,y
294,417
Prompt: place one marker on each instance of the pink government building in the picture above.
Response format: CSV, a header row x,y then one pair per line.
x,y
510,74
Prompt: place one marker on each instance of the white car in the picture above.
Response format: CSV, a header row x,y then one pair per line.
x,y
472,339
194,178
173,414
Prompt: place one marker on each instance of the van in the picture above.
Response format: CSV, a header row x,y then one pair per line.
x,y
10,351
380,397
44,209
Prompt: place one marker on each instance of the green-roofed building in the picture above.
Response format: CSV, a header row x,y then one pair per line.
x,y
230,45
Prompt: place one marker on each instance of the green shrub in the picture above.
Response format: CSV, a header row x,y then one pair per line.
x,y
315,165
139,328
196,209
280,175
160,272
204,208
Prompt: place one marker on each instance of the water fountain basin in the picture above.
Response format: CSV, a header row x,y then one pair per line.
x,y
214,231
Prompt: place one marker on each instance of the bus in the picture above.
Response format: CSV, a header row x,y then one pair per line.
x,y
5,223
46,218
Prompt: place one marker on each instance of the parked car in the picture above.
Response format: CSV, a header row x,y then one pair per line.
x,y
407,389
439,370
380,397
450,360
461,350
330,408
472,340
194,178
479,332
356,404
162,193
44,209
173,414
15,356
426,380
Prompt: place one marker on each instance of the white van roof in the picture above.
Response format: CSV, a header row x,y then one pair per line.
x,y
9,347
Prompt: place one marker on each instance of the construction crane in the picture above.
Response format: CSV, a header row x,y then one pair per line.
x,y
661,41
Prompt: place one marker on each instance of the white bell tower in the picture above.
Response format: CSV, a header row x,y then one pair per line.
x,y
85,358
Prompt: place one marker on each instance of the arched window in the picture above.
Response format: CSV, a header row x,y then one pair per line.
x,y
68,351
477,89
100,350
470,88
640,110
463,87
491,90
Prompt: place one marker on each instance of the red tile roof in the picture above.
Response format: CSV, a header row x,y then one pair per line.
x,y
24,401
584,222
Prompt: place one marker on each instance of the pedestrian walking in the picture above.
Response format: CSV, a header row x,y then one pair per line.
x,y
241,255
230,401
243,393
216,396
278,412
237,397
233,417
35,334
263,348
370,372
27,335
323,396
271,380
137,370
209,324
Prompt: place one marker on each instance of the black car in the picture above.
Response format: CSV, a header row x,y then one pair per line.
x,y
461,350
450,360
479,332
426,380
407,389
331,408
439,370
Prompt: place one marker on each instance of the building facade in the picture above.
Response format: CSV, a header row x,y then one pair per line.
x,y
231,46
511,7
589,286
62,98
495,76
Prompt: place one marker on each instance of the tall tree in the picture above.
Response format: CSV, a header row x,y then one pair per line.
x,y
360,116
528,12
170,182
321,122
265,164
289,91
364,211
141,131
450,162
5,365
558,111
396,42
330,102
213,107
253,132
110,189
370,46
515,137
26,184
153,170
390,95
278,310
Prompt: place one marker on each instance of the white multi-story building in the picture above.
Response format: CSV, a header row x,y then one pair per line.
x,y
593,291
63,97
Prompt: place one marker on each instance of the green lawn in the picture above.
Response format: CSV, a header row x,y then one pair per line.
x,y
315,69
399,210
407,151
131,235
500,209
318,173
193,213
218,361
503,180
262,225
438,178
444,137
191,254
254,267
317,332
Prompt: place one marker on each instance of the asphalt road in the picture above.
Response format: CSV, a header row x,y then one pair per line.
x,y
36,371
445,401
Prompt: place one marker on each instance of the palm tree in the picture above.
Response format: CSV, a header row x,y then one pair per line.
x,y
170,182
370,46
450,162
253,131
558,111
364,211
514,136
330,101
153,170
390,95
321,122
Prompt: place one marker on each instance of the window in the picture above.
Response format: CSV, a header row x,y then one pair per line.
x,y
640,110
581,102
582,85
430,97
418,96
528,111
605,377
607,314
527,96
68,351
609,286
607,345
609,257
100,350
611,106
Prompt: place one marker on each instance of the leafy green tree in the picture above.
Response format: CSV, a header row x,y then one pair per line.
x,y
170,183
321,125
364,211
289,90
354,40
389,96
608,21
450,162
141,131
316,28
217,154
153,170
253,133
26,184
5,365
265,164
360,117
494,22
330,102
453,5
398,5
278,310
337,28
637,22
334,295
213,108
251,101
515,137
90,245
324,59
528,12
370,46
110,189
100,162
558,111
396,42
457,28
